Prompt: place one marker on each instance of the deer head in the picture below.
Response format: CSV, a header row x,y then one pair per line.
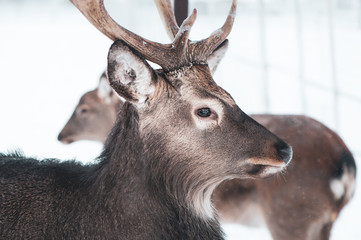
x,y
192,130
94,115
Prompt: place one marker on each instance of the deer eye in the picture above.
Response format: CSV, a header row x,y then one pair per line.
x,y
204,112
83,110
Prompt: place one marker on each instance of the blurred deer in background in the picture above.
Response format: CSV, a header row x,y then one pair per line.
x,y
94,116
178,136
305,201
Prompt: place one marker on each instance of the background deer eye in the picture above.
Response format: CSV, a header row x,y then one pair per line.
x,y
204,112
84,110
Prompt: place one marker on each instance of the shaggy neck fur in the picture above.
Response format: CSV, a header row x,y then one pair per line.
x,y
147,200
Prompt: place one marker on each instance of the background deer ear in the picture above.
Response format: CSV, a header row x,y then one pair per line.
x,y
105,91
216,56
129,75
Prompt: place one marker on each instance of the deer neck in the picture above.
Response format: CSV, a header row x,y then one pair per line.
x,y
136,193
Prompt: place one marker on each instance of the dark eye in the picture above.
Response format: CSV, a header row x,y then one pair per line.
x,y
204,112
84,110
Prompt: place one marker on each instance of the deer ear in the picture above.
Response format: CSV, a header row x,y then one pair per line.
x,y
216,56
130,75
105,92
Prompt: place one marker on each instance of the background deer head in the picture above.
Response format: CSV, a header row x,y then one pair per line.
x,y
94,115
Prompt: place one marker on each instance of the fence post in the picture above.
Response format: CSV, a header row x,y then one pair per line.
x,y
359,13
330,18
263,47
180,10
300,50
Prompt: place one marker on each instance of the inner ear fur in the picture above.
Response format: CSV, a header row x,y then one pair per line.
x,y
129,74
104,89
217,55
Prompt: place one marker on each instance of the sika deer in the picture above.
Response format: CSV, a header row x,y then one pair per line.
x,y
322,170
178,136
307,200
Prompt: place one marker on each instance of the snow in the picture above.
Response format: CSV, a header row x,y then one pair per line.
x,y
50,55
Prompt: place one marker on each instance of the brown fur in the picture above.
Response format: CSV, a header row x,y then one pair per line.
x,y
317,157
299,203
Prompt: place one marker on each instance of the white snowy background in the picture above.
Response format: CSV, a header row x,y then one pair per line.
x,y
285,56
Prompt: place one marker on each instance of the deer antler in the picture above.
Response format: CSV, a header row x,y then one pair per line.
x,y
172,56
168,18
167,15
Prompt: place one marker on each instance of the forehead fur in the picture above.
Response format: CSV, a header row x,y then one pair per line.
x,y
199,79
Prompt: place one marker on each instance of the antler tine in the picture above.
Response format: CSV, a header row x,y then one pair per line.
x,y
180,53
199,50
181,39
217,37
95,12
168,18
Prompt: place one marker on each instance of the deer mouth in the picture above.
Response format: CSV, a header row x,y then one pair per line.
x,y
264,167
65,140
259,171
68,141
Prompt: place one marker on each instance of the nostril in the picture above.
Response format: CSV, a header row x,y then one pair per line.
x,y
284,151
286,154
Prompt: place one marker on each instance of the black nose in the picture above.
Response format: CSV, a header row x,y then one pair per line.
x,y
284,151
60,137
